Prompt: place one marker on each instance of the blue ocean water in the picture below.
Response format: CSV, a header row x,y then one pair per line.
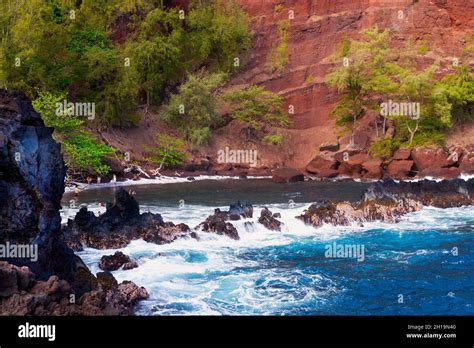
x,y
423,265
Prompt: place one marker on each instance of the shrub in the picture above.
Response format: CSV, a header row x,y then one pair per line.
x,y
384,148
81,150
167,152
273,139
192,111
279,56
257,107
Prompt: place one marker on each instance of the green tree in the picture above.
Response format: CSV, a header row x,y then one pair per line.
x,y
258,108
168,151
376,71
459,90
193,110
218,34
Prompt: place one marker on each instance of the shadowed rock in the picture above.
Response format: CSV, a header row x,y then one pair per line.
x,y
389,201
217,223
31,186
268,220
23,295
120,224
114,262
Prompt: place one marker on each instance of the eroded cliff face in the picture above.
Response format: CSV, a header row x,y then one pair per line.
x,y
38,272
31,186
317,26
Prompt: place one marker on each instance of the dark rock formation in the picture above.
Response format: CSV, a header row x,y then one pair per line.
x,y
388,201
346,213
106,280
442,194
120,224
237,210
32,175
31,186
217,223
268,220
114,262
285,175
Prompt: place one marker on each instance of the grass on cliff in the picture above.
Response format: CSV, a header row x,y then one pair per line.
x,y
278,57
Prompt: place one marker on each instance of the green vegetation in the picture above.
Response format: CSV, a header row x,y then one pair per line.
x,y
64,45
258,109
279,56
384,148
168,152
119,55
273,139
373,71
193,110
459,91
81,151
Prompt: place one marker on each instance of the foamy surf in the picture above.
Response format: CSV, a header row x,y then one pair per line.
x,y
268,272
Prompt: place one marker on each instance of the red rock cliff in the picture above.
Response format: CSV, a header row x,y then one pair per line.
x,y
317,27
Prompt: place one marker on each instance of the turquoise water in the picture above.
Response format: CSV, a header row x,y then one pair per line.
x,y
422,266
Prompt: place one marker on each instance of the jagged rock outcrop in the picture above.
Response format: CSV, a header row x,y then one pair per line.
x,y
23,295
238,211
31,186
115,261
268,219
346,213
217,223
32,171
440,194
388,201
119,225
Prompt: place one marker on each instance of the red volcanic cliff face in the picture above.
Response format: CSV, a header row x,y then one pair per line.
x,y
316,29
318,26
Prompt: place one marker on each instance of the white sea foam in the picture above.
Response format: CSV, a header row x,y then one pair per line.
x,y
206,276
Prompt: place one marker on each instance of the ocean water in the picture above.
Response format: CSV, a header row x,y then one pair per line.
x,y
423,265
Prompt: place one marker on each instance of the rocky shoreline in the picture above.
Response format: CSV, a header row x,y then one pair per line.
x,y
56,282
32,175
332,163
